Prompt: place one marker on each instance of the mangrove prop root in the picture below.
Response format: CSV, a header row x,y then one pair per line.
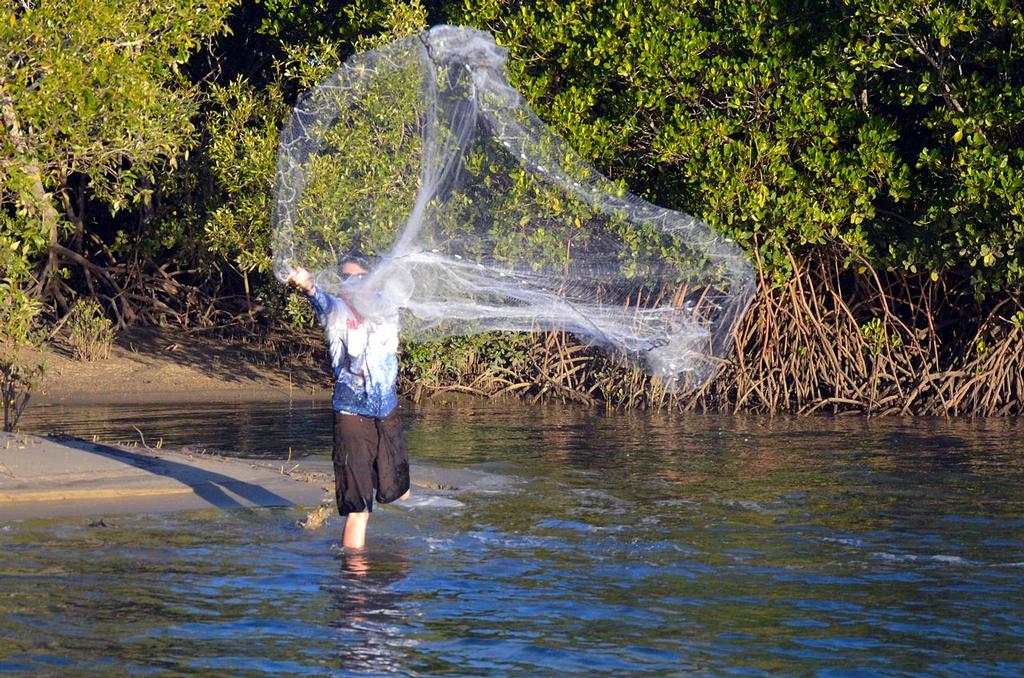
x,y
832,339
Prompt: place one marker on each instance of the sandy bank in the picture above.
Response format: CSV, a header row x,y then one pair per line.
x,y
53,476
49,476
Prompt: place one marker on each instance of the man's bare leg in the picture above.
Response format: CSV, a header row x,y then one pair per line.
x,y
354,536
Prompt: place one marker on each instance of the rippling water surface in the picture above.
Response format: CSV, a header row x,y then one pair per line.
x,y
623,543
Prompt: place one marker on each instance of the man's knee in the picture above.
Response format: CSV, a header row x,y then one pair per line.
x,y
399,490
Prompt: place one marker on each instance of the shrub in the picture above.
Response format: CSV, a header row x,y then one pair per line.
x,y
17,376
90,332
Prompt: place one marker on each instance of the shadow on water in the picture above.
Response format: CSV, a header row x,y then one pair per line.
x,y
214,488
248,429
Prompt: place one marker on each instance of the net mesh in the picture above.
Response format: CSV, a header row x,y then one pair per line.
x,y
481,218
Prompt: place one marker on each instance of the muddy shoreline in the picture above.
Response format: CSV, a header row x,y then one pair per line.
x,y
152,365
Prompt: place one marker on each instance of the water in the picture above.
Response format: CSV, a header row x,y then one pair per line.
x,y
622,544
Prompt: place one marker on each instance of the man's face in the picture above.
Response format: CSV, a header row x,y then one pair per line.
x,y
351,269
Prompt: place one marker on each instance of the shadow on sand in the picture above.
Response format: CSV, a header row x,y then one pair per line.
x,y
214,488
230,360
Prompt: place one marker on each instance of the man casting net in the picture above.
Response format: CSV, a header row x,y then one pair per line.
x,y
481,218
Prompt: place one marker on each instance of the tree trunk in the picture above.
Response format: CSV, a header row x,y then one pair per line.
x,y
43,201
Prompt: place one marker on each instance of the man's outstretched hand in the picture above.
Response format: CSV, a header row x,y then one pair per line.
x,y
301,278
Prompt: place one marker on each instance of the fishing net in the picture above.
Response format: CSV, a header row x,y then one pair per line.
x,y
481,218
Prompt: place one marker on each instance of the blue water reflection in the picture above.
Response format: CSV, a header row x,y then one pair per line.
x,y
624,544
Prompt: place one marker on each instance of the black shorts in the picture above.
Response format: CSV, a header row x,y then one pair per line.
x,y
369,460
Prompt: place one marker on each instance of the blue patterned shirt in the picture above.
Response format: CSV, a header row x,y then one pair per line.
x,y
364,355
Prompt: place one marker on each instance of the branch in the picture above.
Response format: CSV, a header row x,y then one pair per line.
x,y
945,90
